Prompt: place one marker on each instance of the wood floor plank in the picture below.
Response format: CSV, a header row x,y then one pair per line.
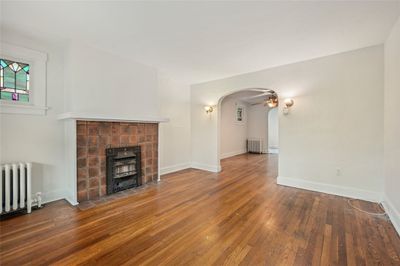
x,y
239,216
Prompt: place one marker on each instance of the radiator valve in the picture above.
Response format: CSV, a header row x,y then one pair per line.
x,y
38,199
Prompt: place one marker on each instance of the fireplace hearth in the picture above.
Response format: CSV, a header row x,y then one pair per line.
x,y
93,138
123,168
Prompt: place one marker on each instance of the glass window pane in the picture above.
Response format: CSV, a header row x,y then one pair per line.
x,y
15,66
21,80
14,81
9,78
24,98
6,95
2,63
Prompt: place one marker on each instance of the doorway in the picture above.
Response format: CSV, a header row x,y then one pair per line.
x,y
247,117
273,131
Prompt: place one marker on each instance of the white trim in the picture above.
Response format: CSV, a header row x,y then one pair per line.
x,y
6,108
230,154
53,195
330,189
392,212
37,91
174,168
19,53
72,202
107,118
273,150
59,194
206,167
71,160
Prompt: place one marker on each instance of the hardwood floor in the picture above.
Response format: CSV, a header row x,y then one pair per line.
x,y
239,216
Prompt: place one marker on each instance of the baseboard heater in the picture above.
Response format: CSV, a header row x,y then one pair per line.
x,y
15,188
255,146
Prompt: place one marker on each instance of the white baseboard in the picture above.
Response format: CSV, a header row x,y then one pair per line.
x,y
392,212
207,167
54,195
273,151
72,202
330,189
174,168
183,166
59,194
63,194
230,154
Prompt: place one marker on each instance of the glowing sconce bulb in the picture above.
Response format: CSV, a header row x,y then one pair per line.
x,y
288,103
208,109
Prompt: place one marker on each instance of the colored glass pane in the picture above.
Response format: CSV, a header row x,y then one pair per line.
x,y
24,98
5,95
9,78
15,66
14,81
20,80
2,63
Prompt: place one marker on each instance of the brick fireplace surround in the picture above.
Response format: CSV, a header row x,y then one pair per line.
x,y
92,140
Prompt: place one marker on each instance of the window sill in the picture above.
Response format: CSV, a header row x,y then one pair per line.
x,y
22,109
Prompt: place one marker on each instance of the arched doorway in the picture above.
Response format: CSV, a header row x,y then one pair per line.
x,y
273,131
248,108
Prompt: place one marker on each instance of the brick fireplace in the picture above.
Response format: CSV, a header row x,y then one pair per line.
x,y
92,140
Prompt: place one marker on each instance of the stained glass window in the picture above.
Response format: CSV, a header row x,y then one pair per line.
x,y
14,81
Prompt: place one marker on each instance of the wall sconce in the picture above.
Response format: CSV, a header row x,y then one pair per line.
x,y
208,109
288,103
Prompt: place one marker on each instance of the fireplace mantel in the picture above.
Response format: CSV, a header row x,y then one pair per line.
x,y
70,120
107,118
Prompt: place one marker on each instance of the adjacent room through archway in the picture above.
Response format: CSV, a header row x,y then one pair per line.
x,y
248,122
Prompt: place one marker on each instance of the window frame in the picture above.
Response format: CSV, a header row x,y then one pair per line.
x,y
37,80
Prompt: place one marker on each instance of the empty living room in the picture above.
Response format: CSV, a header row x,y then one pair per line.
x,y
199,132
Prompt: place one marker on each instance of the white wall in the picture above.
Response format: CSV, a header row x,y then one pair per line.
x,y
335,123
258,124
175,139
234,133
83,79
392,124
39,139
273,129
100,83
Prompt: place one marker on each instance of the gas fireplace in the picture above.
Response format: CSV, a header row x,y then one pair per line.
x,y
111,156
123,169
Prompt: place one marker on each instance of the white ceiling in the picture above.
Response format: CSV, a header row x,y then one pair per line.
x,y
200,41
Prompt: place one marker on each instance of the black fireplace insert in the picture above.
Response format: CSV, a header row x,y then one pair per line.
x,y
123,168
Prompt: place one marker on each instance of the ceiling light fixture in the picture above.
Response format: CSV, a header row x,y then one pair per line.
x,y
272,101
